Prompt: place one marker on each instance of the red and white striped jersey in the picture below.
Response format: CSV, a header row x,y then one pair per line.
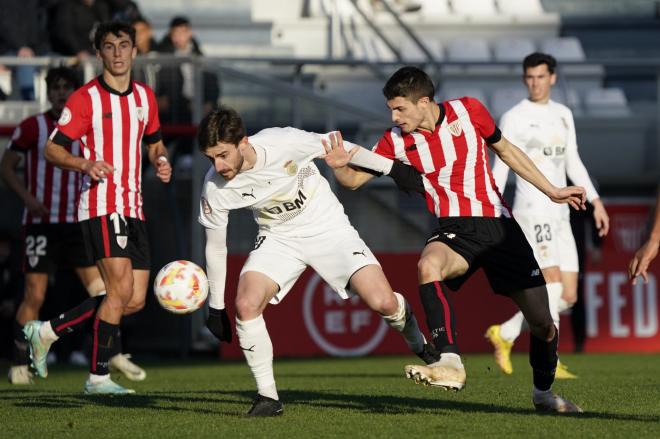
x,y
55,188
111,126
453,160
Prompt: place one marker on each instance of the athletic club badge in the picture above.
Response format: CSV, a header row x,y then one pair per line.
x,y
140,113
291,167
206,207
33,261
455,128
122,241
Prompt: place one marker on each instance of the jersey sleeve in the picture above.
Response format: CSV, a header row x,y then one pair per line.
x,y
211,215
152,132
575,169
25,136
75,120
384,146
483,121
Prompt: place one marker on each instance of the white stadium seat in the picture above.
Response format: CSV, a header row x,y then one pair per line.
x,y
606,102
412,53
468,49
520,7
513,49
435,8
474,7
505,98
564,48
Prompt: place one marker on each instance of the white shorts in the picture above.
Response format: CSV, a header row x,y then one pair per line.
x,y
552,241
334,256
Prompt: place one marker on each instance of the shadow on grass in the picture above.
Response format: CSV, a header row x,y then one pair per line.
x,y
201,402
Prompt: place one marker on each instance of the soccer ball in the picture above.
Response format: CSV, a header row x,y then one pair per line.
x,y
181,287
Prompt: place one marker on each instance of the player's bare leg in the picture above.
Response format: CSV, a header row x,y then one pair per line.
x,y
439,262
371,285
254,292
533,302
33,299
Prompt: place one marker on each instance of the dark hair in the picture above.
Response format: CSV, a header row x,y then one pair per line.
x,y
115,28
140,19
179,20
409,82
222,125
56,73
537,58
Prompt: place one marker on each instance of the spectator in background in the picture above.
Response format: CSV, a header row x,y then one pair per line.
x,y
639,264
73,24
22,36
124,10
176,83
144,39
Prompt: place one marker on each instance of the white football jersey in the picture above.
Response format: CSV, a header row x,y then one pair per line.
x,y
285,190
546,133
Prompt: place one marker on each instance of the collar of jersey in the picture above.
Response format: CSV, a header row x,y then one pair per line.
x,y
441,117
112,90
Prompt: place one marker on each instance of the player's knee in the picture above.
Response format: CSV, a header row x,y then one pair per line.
x,y
246,308
385,304
134,306
544,331
429,269
95,287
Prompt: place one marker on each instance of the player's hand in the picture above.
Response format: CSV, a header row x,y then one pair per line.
x,y
163,169
335,155
36,208
601,218
97,170
218,324
576,196
640,262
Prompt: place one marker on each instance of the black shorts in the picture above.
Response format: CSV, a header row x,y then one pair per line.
x,y
497,245
48,247
115,236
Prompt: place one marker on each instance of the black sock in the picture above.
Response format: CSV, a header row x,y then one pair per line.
x,y
20,355
104,342
439,317
543,359
76,317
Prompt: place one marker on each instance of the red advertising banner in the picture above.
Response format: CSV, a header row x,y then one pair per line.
x,y
313,320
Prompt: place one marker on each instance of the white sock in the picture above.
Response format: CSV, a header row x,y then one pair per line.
x,y
258,350
510,330
563,305
46,332
554,296
95,379
404,322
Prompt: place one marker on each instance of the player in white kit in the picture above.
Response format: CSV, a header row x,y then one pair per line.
x,y
301,223
545,131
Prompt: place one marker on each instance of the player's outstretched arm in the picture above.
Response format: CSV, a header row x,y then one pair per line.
x,y
159,158
523,166
216,271
639,264
8,165
60,157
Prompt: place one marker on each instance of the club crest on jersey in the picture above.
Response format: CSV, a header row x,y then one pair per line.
x,y
33,261
65,117
455,128
206,207
140,113
291,167
122,241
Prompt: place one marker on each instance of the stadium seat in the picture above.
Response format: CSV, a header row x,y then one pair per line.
x,y
505,98
412,53
606,102
464,49
474,7
513,49
569,97
564,48
435,8
517,7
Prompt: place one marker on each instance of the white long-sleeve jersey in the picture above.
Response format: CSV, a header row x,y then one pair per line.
x,y
546,133
284,189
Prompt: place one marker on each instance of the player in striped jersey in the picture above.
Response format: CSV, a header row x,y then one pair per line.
x,y
545,131
111,116
53,238
447,143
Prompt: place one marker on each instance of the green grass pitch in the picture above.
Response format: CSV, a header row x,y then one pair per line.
x,y
365,397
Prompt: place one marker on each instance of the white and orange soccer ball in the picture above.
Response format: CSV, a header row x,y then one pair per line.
x,y
181,287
